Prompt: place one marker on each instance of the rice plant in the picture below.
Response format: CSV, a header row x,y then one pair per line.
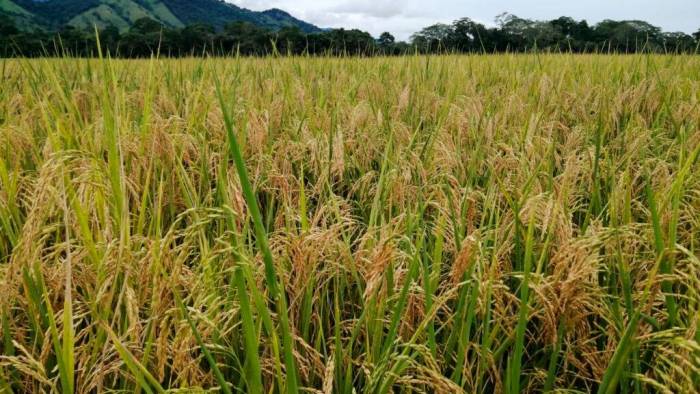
x,y
439,224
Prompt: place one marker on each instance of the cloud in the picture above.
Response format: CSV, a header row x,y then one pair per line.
x,y
252,4
401,18
377,8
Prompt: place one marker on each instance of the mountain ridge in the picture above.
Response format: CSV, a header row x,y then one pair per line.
x,y
56,14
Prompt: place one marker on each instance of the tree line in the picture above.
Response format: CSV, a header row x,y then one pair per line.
x,y
510,34
564,34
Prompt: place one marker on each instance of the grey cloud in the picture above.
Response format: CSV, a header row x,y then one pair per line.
x,y
377,9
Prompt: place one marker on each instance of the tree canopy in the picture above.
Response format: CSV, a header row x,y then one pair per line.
x,y
510,34
516,34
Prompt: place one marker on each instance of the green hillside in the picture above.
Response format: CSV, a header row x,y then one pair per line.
x,y
218,13
22,17
54,14
122,13
12,8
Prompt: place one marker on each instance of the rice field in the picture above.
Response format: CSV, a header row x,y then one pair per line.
x,y
443,224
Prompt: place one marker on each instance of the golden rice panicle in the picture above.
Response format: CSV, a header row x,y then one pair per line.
x,y
498,223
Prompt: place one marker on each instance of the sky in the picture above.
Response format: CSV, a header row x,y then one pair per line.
x,y
403,18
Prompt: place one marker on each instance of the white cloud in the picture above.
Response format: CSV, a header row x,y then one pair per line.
x,y
369,8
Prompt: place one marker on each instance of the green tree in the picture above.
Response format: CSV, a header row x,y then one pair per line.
x,y
516,33
678,42
468,35
146,26
109,39
628,36
290,40
245,38
351,42
144,38
7,32
566,33
196,39
72,41
387,43
386,39
7,26
433,38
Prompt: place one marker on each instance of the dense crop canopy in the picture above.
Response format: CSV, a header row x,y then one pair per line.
x,y
498,223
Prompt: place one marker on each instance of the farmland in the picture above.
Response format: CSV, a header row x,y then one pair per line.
x,y
486,223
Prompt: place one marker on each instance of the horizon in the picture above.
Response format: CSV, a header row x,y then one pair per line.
x,y
406,18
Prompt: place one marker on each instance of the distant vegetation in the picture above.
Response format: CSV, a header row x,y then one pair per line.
x,y
53,15
253,37
562,34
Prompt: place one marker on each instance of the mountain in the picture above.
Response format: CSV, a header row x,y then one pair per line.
x,y
54,14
